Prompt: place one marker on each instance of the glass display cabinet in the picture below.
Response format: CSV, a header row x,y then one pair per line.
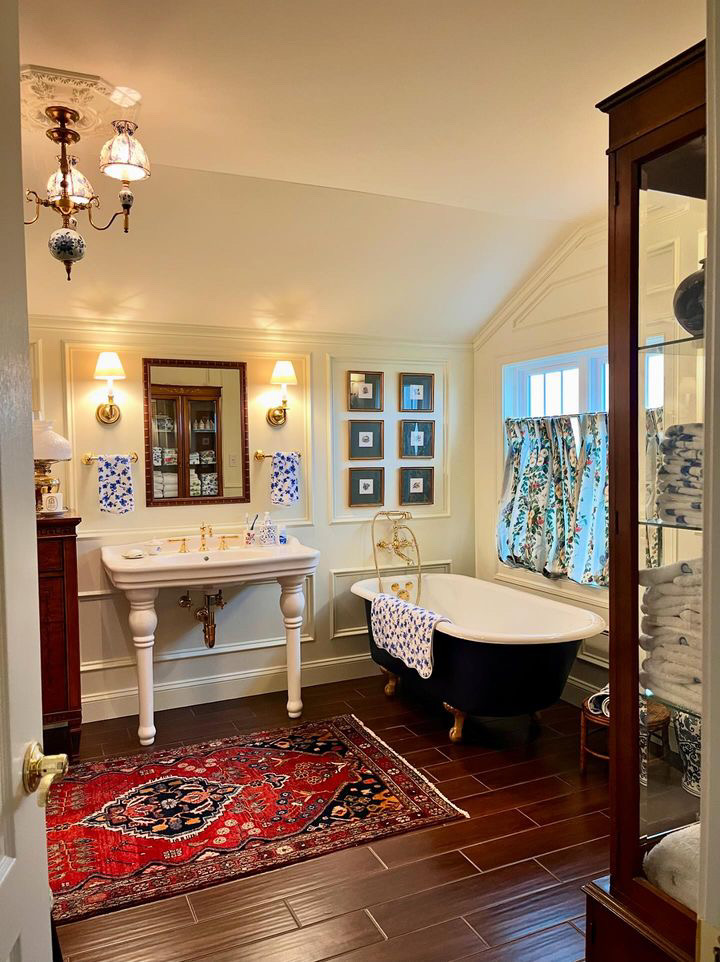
x,y
196,443
657,242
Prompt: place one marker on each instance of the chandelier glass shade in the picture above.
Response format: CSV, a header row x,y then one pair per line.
x,y
79,187
123,157
69,192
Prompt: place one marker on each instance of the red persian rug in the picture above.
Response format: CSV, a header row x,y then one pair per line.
x,y
124,831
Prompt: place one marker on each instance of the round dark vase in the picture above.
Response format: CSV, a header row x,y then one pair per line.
x,y
689,302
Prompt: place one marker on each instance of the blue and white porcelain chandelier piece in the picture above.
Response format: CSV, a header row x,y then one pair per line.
x,y
69,192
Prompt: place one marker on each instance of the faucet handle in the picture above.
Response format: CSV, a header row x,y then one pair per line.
x,y
183,544
206,528
224,538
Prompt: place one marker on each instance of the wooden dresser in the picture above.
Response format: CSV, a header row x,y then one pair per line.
x,y
59,631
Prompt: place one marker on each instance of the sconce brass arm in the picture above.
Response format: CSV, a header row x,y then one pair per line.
x,y
94,202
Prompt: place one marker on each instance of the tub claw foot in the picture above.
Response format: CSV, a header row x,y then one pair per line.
x,y
456,732
391,683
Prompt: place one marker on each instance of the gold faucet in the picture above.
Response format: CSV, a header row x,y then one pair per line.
x,y
182,542
224,538
206,532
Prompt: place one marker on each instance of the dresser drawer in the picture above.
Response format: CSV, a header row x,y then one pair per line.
x,y
50,555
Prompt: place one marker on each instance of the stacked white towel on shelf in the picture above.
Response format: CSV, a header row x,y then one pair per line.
x,y
680,476
195,486
158,486
672,632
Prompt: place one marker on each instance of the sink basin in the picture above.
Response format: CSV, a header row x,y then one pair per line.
x,y
236,564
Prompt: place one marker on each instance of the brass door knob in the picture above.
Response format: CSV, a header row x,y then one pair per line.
x,y
40,771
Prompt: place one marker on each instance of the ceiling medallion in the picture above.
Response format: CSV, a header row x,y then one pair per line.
x,y
68,191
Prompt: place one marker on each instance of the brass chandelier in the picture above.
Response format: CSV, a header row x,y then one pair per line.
x,y
69,192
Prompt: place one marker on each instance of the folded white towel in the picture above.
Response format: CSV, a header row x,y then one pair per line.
x,y
690,429
651,623
661,635
684,696
661,671
672,589
599,702
678,655
688,581
673,865
671,604
656,576
690,518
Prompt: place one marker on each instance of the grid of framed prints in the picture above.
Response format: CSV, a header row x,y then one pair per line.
x,y
366,438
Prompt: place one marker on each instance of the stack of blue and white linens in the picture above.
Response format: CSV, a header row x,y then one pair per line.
x,y
680,476
672,633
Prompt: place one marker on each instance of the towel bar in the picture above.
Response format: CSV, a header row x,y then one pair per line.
x,y
260,455
90,458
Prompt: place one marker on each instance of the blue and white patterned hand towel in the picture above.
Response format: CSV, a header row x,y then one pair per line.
x,y
405,631
115,484
284,477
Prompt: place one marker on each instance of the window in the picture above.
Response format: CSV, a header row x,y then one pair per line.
x,y
575,383
564,384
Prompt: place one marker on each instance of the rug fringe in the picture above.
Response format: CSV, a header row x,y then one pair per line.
x,y
419,774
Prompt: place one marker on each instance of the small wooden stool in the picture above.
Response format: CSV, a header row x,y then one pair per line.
x,y
658,721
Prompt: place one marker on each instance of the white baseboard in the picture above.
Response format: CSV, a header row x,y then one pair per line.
x,y
236,684
576,690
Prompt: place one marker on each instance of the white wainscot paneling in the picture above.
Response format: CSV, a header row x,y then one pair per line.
x,y
347,611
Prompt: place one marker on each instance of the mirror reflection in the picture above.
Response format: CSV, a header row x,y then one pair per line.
x,y
196,444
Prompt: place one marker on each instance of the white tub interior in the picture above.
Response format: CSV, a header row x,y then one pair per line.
x,y
483,611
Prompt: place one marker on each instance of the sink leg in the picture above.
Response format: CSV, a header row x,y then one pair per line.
x,y
143,622
292,605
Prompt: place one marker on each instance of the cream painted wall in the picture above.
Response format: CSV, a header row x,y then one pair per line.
x,y
250,655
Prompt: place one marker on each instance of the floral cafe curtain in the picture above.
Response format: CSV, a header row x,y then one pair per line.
x,y
535,524
588,562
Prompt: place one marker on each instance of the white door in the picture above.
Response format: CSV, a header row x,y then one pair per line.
x,y
24,897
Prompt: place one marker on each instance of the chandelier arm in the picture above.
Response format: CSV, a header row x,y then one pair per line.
x,y
32,198
118,213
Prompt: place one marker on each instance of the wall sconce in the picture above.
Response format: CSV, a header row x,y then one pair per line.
x,y
284,374
108,368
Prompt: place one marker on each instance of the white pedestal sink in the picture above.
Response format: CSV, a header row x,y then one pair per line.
x,y
142,578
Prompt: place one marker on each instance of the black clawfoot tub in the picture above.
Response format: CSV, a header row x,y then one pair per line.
x,y
503,652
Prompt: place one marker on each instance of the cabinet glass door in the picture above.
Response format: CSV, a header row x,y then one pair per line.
x,y
203,448
165,447
671,368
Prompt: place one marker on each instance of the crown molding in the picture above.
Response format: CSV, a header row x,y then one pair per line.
x,y
534,286
125,327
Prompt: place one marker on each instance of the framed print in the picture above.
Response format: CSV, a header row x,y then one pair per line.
x,y
417,485
417,392
365,390
366,440
417,439
367,487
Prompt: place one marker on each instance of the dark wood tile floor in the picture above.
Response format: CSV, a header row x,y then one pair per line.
x,y
503,885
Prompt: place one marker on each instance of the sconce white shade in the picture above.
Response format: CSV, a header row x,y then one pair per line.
x,y
79,187
48,445
109,365
123,157
283,373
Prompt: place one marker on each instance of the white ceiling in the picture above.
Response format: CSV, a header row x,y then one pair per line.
x,y
462,103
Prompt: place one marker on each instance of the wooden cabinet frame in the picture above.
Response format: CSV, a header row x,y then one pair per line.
x,y
649,118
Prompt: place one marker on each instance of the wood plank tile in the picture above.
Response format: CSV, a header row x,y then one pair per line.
x,y
400,916
523,916
567,806
493,760
432,841
335,900
514,796
561,944
527,771
590,859
197,939
312,944
462,787
283,883
423,757
104,930
537,841
446,942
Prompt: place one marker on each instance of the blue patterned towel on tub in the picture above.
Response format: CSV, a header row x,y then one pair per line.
x,y
284,477
115,484
405,631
